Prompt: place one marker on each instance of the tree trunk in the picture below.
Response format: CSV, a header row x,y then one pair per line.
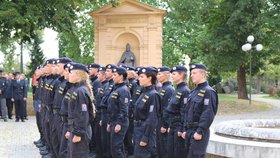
x,y
259,84
241,81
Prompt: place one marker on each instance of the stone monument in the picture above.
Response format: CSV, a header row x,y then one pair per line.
x,y
128,57
131,22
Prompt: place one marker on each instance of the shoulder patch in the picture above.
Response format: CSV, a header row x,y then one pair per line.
x,y
125,100
185,100
151,108
200,94
206,101
84,107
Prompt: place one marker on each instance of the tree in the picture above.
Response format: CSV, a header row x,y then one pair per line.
x,y
36,54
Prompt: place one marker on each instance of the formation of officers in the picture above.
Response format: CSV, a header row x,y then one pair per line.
x,y
119,111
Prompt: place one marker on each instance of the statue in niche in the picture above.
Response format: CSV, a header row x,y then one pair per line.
x,y
128,57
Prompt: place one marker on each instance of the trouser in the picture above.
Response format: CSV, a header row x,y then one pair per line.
x,y
97,136
4,111
55,136
39,125
148,151
176,145
19,108
105,137
47,130
24,110
197,149
92,143
116,139
80,149
9,107
128,143
63,153
162,143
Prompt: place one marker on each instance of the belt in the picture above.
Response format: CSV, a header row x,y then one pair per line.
x,y
138,122
56,111
192,125
64,118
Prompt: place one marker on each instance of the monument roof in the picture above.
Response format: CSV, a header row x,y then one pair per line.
x,y
127,7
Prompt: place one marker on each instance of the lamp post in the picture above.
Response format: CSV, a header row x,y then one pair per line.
x,y
248,47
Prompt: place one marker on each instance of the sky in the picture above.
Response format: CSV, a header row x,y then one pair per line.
x,y
49,47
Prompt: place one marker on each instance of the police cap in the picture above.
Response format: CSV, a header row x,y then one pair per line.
x,y
163,68
198,66
111,66
103,69
51,61
78,66
67,65
63,60
130,68
120,70
147,70
93,65
179,68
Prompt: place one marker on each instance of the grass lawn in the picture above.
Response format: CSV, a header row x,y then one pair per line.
x,y
271,97
229,104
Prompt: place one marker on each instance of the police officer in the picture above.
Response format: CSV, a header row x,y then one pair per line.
x,y
9,102
80,112
165,91
175,113
118,112
98,98
3,88
105,136
200,112
58,87
93,72
19,95
146,112
66,92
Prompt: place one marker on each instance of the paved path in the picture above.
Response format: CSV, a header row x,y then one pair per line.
x,y
274,112
16,139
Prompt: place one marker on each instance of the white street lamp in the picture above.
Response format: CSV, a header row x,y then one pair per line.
x,y
248,47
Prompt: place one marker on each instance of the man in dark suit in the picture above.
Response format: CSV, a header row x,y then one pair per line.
x,y
19,95
3,87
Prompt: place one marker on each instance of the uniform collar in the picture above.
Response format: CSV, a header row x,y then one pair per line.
x,y
105,81
93,78
151,87
167,83
182,84
120,84
79,83
202,84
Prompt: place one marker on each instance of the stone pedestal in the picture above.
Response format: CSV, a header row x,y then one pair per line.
x,y
130,22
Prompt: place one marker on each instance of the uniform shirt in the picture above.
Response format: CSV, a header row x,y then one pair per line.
x,y
59,93
95,83
202,107
107,93
79,109
132,85
53,86
165,93
118,103
175,108
67,92
100,94
19,89
9,89
146,110
3,87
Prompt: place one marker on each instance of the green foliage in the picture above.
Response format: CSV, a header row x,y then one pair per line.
x,y
36,54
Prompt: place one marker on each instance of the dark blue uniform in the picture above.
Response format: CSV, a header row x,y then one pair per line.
x,y
95,83
97,130
105,136
67,92
8,98
118,114
146,119
3,107
175,114
165,93
200,112
19,92
79,116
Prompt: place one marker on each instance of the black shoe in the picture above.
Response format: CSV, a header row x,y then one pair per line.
x,y
11,118
44,152
22,120
5,120
25,118
17,120
37,142
43,148
47,156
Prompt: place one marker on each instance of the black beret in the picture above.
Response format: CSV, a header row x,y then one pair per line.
x,y
63,60
138,68
198,66
163,68
147,70
51,61
78,66
93,65
179,68
120,70
102,69
111,66
130,68
67,65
